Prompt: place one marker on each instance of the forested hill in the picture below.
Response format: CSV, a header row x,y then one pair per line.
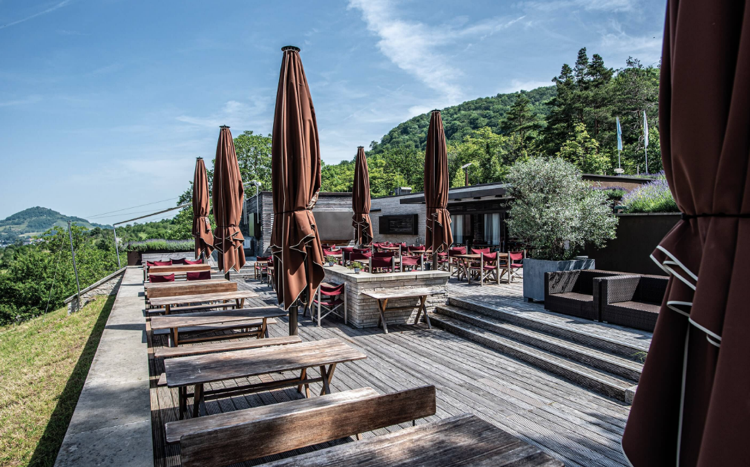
x,y
461,120
35,221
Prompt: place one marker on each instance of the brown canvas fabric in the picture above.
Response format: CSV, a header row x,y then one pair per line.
x,y
204,239
295,243
228,196
436,184
692,406
361,200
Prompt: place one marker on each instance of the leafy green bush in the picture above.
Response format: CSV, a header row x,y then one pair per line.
x,y
654,196
161,245
554,211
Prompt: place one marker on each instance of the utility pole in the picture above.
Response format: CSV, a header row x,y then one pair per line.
x,y
117,249
75,269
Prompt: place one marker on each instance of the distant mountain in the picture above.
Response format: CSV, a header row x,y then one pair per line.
x,y
36,220
462,119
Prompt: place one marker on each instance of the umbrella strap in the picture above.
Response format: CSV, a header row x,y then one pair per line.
x,y
687,217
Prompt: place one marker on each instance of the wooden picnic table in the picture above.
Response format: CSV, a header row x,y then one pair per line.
x,y
153,285
178,268
173,289
250,318
463,440
239,297
467,259
383,297
202,369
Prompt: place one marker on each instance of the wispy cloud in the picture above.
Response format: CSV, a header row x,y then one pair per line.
x,y
590,5
236,113
414,46
50,9
519,85
616,40
19,102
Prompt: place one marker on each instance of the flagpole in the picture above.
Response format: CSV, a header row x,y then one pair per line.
x,y
645,139
619,170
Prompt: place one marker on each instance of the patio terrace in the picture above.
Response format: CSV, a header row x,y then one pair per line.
x,y
571,423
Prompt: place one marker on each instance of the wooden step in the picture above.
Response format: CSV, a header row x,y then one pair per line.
x,y
598,359
565,327
589,377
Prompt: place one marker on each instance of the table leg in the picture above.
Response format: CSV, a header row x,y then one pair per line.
x,y
326,387
423,309
263,331
166,309
197,398
175,337
382,304
303,376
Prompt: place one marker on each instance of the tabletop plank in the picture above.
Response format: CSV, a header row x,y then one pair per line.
x,y
156,285
244,363
179,268
208,317
407,293
464,440
207,297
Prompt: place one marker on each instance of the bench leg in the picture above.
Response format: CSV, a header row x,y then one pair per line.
x,y
303,376
326,387
382,304
175,337
423,309
197,398
182,397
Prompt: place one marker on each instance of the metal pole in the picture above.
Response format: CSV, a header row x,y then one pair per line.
x,y
293,331
75,269
645,150
117,249
466,179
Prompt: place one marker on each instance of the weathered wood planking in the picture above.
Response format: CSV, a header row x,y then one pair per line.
x,y
156,285
182,268
190,288
172,352
201,298
243,363
263,431
464,440
210,317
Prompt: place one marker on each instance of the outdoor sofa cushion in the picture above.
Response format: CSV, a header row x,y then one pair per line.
x,y
632,300
574,293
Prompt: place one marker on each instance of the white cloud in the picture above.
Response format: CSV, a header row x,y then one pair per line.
x,y
518,85
647,47
414,46
39,13
237,114
590,5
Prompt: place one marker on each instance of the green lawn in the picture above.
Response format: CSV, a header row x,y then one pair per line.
x,y
43,365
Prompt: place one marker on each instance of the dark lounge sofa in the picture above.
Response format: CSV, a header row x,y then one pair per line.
x,y
574,293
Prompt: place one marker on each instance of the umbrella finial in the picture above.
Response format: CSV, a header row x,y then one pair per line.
x,y
224,126
360,147
290,47
199,158
436,110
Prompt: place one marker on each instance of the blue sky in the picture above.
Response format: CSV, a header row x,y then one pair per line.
x,y
104,104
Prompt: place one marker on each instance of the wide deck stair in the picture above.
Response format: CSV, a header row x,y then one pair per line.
x,y
603,364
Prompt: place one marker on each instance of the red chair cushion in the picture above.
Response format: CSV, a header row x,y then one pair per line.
x,y
197,261
410,261
179,261
477,251
199,276
161,278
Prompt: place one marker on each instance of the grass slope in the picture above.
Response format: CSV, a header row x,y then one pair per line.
x,y
43,365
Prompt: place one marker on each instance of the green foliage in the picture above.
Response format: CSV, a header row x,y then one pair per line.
x,y
593,95
36,220
654,196
583,151
27,281
490,156
254,159
161,245
554,211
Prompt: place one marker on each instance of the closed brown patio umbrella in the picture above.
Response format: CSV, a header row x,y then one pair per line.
x,y
692,406
295,150
228,196
361,200
436,184
204,239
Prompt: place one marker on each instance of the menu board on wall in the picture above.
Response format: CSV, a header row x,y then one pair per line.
x,y
405,224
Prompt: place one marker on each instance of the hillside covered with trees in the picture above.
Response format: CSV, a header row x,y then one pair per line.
x,y
34,221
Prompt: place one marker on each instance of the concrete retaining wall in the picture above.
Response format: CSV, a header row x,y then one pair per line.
x,y
106,286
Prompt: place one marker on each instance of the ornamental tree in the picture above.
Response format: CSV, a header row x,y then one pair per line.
x,y
554,211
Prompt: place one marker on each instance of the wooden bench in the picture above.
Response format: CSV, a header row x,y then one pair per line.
x,y
175,289
383,297
188,301
178,268
218,320
232,437
185,351
201,369
463,440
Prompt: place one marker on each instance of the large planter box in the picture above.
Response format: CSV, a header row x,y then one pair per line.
x,y
534,269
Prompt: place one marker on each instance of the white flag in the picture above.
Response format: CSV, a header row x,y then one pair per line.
x,y
645,130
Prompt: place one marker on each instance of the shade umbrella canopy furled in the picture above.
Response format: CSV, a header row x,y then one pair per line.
x,y
361,200
204,239
295,149
436,185
692,407
228,196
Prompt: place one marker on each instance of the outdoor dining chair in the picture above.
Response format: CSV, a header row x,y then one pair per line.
x,y
488,268
329,299
198,275
516,263
261,266
381,265
412,262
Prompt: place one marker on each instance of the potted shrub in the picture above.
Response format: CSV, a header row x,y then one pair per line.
x,y
556,214
357,267
330,260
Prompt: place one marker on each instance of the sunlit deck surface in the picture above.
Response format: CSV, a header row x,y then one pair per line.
x,y
567,421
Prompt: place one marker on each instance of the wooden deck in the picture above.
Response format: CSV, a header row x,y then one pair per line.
x,y
570,423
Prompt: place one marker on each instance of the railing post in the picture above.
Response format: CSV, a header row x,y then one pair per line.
x,y
117,249
75,269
